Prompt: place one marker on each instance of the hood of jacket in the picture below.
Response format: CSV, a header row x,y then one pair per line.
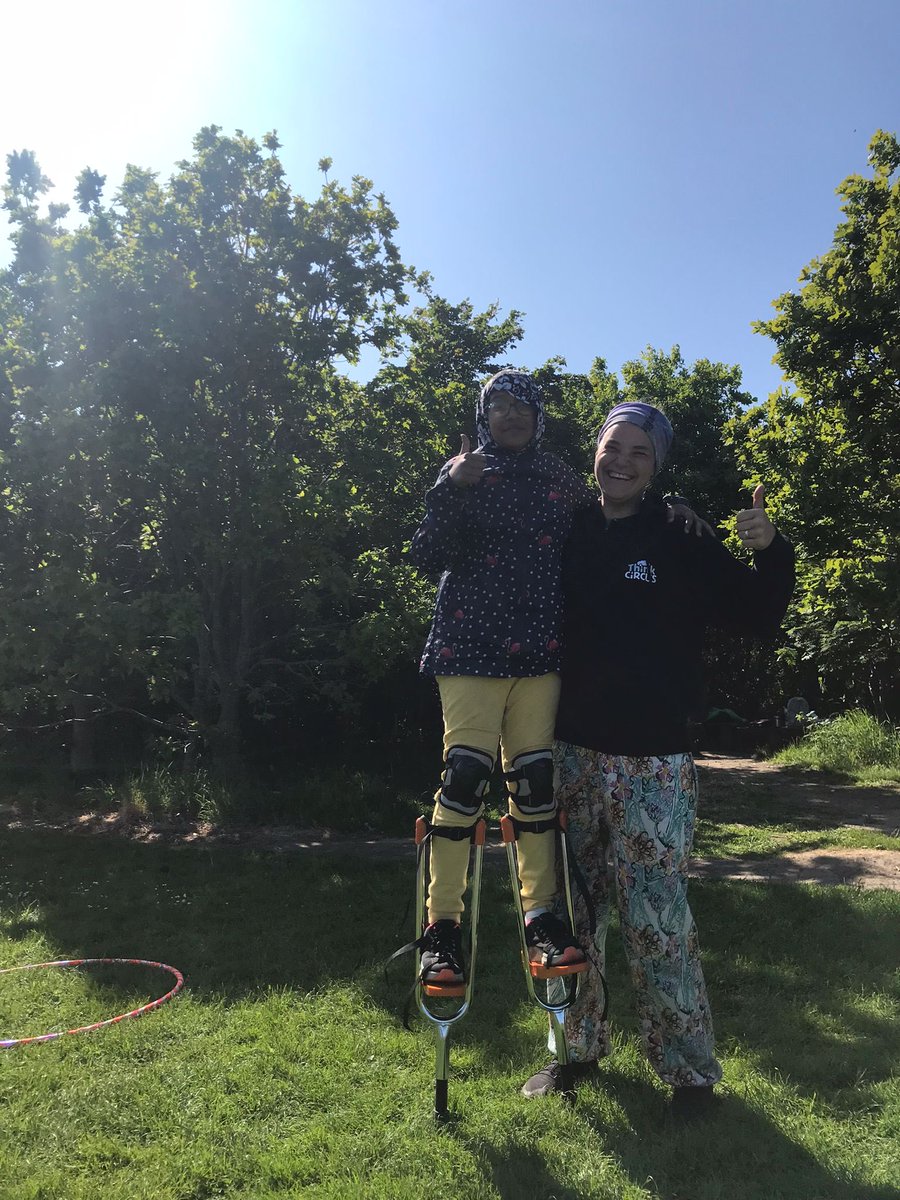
x,y
521,386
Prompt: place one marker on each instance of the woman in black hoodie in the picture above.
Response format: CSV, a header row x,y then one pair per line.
x,y
638,598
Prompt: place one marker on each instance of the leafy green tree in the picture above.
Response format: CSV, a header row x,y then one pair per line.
x,y
64,623
204,518
171,385
828,447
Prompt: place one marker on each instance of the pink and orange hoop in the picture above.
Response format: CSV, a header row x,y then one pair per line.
x,y
8,1043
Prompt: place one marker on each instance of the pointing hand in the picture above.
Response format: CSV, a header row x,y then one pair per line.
x,y
468,466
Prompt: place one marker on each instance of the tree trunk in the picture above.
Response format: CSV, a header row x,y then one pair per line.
x,y
82,757
225,736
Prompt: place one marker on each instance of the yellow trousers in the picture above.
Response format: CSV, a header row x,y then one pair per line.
x,y
518,716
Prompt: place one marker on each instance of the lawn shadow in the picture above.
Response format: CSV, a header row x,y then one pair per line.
x,y
798,976
738,1152
519,1172
237,923
232,921
801,978
818,862
759,1160
791,798
789,969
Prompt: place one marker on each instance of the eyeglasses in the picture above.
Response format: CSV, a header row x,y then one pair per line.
x,y
502,404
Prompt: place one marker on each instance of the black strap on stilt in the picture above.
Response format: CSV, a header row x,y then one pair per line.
x,y
602,979
581,884
552,823
454,833
407,1000
534,826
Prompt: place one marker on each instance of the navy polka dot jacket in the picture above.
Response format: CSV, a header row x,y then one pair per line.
x,y
499,547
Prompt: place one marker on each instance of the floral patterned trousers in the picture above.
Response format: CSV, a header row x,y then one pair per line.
x,y
643,810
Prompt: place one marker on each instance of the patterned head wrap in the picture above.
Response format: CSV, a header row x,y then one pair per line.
x,y
522,387
653,422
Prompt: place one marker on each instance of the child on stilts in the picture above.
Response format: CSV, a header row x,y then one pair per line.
x,y
495,524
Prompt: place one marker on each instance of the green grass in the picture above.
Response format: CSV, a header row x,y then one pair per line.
x,y
283,1069
720,840
760,814
855,746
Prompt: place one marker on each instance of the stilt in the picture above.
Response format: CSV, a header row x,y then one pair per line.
x,y
458,996
538,978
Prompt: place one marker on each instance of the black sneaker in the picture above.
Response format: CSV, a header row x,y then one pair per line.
x,y
552,1078
691,1104
441,950
551,945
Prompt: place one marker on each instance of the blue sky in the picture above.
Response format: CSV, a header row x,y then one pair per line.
x,y
652,172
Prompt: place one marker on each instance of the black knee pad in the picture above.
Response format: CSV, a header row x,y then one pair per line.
x,y
465,779
530,782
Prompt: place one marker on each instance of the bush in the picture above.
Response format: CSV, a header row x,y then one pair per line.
x,y
853,743
164,791
341,800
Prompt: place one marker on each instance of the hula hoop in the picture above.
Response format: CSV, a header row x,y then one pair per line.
x,y
8,1043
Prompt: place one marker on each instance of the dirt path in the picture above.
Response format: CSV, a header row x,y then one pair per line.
x,y
802,798
732,789
807,795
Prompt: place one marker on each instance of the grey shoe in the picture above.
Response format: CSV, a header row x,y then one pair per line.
x,y
552,1078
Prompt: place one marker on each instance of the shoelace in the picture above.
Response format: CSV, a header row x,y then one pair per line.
x,y
544,936
442,943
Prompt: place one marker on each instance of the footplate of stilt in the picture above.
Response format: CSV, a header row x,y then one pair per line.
x,y
445,989
539,971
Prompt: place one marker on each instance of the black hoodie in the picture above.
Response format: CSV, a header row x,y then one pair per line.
x,y
639,595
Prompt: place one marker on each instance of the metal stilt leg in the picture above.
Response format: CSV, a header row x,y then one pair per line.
x,y
567,975
428,995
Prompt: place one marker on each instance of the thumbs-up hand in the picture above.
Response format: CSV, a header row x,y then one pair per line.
x,y
468,466
753,526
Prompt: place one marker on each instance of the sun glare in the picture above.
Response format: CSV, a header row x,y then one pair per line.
x,y
101,83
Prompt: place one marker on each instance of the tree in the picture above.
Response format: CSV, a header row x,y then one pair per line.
x,y
205,519
828,447
171,389
64,620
